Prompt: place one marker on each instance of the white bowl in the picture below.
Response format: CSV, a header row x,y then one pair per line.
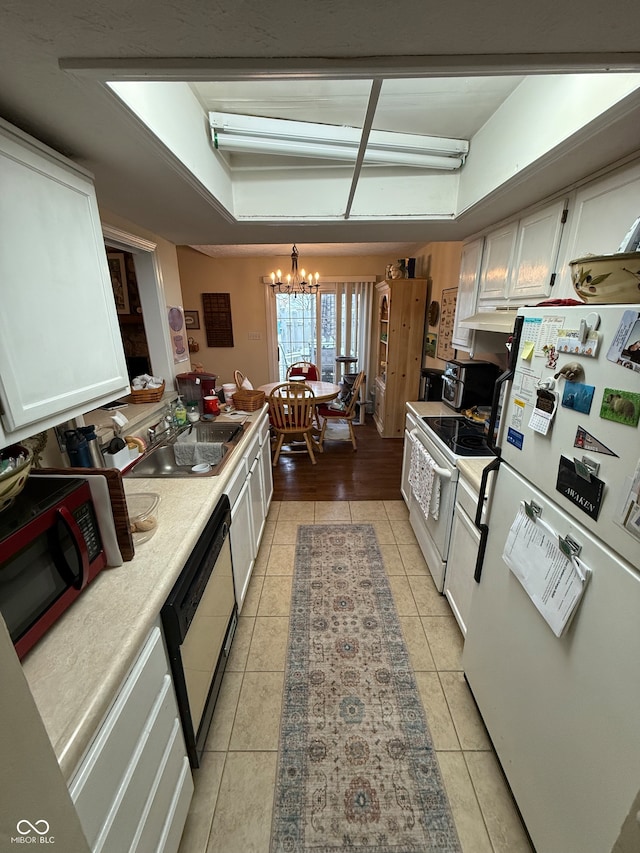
x,y
604,279
201,468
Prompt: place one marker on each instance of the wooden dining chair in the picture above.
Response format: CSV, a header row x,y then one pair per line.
x,y
328,412
291,408
306,369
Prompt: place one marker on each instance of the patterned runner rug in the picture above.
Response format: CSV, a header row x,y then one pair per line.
x,y
356,766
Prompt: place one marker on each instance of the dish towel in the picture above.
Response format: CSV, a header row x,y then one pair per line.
x,y
424,482
190,451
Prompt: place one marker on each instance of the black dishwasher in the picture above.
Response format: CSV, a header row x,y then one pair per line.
x,y
199,620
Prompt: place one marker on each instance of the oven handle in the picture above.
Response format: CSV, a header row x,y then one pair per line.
x,y
444,473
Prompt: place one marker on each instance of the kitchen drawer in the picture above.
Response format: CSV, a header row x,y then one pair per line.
x,y
467,497
99,778
126,813
161,804
237,480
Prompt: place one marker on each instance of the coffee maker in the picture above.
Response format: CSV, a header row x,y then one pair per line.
x,y
193,387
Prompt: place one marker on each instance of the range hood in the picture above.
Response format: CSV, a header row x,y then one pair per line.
x,y
492,320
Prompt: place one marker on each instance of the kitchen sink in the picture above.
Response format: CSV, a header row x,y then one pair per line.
x,y
160,460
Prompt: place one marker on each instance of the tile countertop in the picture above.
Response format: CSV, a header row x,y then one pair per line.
x,y
75,671
470,468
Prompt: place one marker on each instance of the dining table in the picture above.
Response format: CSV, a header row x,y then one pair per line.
x,y
323,392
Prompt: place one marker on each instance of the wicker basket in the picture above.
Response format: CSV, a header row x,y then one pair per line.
x,y
147,395
248,401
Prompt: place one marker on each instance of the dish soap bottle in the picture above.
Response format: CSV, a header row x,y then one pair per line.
x,y
180,413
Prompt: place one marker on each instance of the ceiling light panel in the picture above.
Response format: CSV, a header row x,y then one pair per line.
x,y
251,134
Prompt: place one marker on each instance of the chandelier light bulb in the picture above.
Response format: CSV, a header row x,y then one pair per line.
x,y
296,281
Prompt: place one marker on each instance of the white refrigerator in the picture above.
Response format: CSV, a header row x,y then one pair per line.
x,y
552,653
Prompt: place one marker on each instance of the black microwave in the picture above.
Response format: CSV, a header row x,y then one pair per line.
x,y
50,549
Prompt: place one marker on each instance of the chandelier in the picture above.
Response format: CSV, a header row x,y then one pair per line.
x,y
296,281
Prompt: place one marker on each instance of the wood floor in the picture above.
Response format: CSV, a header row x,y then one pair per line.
x,y
372,472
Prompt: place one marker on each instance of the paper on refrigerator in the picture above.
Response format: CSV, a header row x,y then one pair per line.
x,y
554,582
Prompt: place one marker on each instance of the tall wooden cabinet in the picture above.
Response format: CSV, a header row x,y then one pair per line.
x,y
400,333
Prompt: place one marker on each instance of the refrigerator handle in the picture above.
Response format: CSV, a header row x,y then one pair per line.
x,y
501,381
482,527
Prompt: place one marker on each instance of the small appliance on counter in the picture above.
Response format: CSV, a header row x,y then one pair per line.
x,y
194,387
51,549
467,383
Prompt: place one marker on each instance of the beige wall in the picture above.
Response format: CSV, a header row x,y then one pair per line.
x,y
242,278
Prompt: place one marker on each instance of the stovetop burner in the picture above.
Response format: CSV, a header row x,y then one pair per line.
x,y
461,436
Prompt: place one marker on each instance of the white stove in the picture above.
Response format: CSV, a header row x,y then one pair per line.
x,y
446,438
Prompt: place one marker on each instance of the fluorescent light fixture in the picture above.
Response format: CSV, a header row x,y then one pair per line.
x,y
250,134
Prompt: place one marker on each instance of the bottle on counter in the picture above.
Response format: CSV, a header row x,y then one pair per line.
x,y
193,412
180,413
89,432
77,449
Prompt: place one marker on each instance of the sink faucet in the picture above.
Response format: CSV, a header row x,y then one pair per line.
x,y
166,421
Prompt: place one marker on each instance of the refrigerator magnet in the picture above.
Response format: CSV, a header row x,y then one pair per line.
x,y
625,347
586,494
622,407
585,441
544,411
578,396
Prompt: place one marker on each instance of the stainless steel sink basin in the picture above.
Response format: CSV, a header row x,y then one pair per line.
x,y
160,460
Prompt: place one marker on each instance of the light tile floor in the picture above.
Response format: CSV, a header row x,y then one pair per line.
x,y
232,804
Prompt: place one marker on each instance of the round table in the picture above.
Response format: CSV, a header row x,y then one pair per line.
x,y
323,392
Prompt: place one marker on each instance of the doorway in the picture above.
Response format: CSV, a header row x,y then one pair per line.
x,y
142,255
320,327
127,294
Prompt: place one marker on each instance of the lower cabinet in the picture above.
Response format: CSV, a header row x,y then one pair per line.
x,y
461,564
133,789
249,491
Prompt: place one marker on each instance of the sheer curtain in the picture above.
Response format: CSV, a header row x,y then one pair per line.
x,y
355,302
338,322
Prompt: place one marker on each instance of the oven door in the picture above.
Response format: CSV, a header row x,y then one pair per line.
x,y
433,534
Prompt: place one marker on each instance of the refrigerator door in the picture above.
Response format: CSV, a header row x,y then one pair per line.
x,y
538,456
562,712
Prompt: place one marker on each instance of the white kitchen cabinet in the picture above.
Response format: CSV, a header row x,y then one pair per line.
x,y
60,346
497,263
463,552
249,491
133,788
599,217
536,253
241,531
470,262
265,462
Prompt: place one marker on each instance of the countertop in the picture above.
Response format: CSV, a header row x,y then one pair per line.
x,y
76,670
470,468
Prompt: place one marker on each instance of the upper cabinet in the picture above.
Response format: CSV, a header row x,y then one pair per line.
x,y
470,261
520,257
536,252
497,261
60,345
601,214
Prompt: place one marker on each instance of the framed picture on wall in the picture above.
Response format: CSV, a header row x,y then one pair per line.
x,y
118,273
192,319
430,344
